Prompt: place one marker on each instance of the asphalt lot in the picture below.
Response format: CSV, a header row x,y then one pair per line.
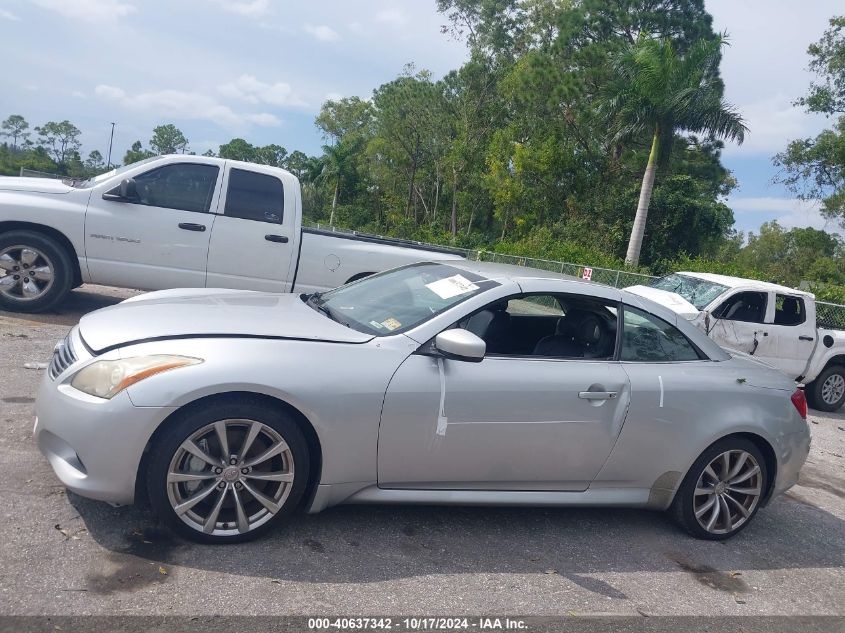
x,y
61,554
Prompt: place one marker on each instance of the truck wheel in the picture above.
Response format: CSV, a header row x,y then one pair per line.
x,y
828,390
36,272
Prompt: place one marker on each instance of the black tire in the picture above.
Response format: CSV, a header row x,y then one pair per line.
x,y
814,390
61,264
682,506
182,427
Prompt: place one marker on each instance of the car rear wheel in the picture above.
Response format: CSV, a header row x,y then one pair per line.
x,y
827,393
722,491
36,272
228,473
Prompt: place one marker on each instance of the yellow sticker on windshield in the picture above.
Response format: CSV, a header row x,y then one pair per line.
x,y
391,324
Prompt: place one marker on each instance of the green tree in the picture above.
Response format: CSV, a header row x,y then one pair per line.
x,y
136,153
16,128
658,91
814,168
94,162
168,139
237,149
61,139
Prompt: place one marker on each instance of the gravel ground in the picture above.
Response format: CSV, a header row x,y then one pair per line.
x,y
62,554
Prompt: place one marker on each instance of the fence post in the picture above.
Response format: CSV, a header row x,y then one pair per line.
x,y
616,284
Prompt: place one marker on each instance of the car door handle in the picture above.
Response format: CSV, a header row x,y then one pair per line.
x,y
597,395
281,239
188,226
805,338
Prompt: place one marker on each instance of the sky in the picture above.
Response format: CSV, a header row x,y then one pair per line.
x,y
260,69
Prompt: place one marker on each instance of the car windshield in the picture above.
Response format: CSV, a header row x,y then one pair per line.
x,y
698,292
90,182
398,300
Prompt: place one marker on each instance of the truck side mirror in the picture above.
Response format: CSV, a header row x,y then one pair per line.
x,y
126,191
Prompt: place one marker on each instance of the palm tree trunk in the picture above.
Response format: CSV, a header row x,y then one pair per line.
x,y
334,202
636,242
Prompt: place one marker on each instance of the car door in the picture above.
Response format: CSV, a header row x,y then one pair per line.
x,y
738,322
510,422
252,244
791,335
158,239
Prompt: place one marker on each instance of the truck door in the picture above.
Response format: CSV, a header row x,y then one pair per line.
x,y
252,244
739,322
159,238
792,335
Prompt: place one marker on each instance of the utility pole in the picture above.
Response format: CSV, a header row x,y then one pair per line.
x,y
111,140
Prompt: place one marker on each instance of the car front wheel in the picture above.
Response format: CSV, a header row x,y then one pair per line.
x,y
722,491
228,473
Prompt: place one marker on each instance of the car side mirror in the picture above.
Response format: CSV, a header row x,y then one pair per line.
x,y
126,191
459,344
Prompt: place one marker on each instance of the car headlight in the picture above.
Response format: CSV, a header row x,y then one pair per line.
x,y
107,378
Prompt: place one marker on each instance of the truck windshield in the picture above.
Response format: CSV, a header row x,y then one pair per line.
x,y
90,182
400,299
698,292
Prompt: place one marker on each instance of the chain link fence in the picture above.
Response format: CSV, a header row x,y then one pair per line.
x,y
830,315
607,276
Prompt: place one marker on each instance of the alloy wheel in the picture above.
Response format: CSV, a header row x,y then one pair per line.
x,y
727,492
230,477
26,273
833,389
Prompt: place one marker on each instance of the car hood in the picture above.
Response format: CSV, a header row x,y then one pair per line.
x,y
33,185
208,314
671,300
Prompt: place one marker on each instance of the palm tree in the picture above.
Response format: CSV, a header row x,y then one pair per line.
x,y
334,158
660,92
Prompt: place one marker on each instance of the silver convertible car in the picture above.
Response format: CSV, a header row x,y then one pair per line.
x,y
465,383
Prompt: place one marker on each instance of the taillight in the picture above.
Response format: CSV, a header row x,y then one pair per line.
x,y
800,402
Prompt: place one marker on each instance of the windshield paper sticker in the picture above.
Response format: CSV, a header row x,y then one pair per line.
x,y
376,325
451,286
391,324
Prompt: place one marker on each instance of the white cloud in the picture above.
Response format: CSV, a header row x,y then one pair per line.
x,y
179,104
789,212
8,15
248,88
772,123
321,32
78,94
394,16
89,10
247,8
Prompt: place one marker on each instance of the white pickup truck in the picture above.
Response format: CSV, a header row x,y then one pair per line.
x,y
177,222
771,322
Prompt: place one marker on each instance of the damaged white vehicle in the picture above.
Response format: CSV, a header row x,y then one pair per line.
x,y
771,322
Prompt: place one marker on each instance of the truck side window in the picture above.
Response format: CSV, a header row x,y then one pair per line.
x,y
184,186
749,307
789,310
254,196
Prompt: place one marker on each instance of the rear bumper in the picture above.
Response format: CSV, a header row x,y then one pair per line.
x,y
794,449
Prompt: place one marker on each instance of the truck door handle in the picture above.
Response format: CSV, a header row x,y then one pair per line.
x,y
805,338
281,239
597,395
188,226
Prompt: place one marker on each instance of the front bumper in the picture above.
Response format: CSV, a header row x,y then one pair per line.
x,y
94,445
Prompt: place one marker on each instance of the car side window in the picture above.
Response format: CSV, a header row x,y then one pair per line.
x,y
649,339
789,310
749,307
183,186
548,326
254,196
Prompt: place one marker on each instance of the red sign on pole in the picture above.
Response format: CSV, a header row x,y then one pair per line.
x,y
587,274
